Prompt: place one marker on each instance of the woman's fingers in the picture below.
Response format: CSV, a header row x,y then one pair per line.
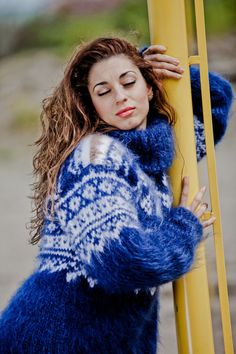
x,y
196,207
201,210
198,199
208,222
167,74
156,48
167,66
185,191
161,58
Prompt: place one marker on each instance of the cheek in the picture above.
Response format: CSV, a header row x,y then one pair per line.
x,y
142,92
96,104
143,98
144,102
101,107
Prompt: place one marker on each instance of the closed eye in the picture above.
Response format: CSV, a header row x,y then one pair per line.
x,y
125,84
129,83
103,93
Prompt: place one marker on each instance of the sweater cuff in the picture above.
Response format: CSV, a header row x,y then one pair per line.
x,y
187,219
142,50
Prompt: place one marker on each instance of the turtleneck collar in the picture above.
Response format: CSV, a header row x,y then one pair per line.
x,y
154,145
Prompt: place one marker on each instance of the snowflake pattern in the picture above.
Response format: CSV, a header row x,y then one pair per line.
x,y
89,192
147,205
106,187
74,203
94,210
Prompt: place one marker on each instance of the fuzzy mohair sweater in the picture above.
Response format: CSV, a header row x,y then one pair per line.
x,y
114,240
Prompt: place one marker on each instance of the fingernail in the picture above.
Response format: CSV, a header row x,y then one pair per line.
x,y
162,47
181,69
203,188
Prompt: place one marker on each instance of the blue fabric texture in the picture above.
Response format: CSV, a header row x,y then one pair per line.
x,y
221,95
114,239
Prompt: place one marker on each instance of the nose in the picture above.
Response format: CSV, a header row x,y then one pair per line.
x,y
120,95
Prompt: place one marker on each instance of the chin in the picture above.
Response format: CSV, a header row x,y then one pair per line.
x,y
137,124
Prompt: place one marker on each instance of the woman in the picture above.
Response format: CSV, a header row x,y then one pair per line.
x,y
108,233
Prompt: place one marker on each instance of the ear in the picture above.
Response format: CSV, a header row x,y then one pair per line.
x,y
149,92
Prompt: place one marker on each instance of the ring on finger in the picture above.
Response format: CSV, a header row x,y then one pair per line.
x,y
203,206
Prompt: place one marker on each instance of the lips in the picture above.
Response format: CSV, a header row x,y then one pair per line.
x,y
125,111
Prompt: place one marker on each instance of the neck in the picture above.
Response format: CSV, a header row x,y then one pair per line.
x,y
153,145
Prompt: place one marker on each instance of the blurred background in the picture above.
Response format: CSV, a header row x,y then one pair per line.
x,y
37,38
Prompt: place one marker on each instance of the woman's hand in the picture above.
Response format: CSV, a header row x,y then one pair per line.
x,y
197,207
165,66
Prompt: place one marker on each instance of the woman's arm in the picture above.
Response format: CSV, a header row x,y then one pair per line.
x,y
113,248
221,94
143,258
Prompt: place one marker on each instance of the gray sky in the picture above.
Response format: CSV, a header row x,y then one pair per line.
x,y
21,8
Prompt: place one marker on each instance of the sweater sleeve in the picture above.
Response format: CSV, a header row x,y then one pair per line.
x,y
118,249
221,94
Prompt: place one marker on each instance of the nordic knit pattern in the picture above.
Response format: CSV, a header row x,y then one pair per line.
x,y
114,239
112,197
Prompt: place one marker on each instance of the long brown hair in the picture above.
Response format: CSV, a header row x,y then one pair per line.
x,y
69,114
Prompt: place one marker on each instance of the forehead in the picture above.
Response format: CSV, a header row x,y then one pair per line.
x,y
110,68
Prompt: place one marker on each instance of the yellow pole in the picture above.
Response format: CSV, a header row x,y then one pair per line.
x,y
191,296
219,247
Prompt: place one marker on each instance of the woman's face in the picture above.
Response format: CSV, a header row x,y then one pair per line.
x,y
119,93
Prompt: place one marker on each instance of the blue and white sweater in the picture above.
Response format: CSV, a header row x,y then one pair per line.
x,y
114,239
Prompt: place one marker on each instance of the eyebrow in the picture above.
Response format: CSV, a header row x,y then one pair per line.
x,y
120,77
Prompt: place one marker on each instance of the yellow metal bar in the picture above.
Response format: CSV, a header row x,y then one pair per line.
x,y
194,59
191,296
212,173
